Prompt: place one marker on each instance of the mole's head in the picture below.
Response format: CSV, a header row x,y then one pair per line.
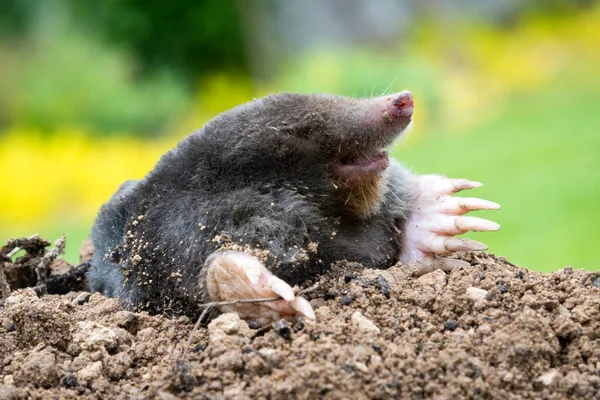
x,y
323,143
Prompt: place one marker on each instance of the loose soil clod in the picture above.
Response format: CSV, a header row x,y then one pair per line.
x,y
38,268
492,330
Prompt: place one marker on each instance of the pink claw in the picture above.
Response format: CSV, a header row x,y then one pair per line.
x,y
462,184
302,305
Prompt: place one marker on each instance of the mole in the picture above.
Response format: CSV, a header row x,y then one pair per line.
x,y
268,195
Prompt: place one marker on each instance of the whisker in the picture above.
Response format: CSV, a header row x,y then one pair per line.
x,y
390,85
349,196
362,191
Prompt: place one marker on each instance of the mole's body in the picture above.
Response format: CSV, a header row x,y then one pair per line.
x,y
299,181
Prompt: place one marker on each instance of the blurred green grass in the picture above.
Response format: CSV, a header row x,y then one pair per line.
x,y
539,157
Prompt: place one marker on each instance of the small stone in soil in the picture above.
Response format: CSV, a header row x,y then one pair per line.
x,y
197,348
186,381
282,327
82,299
519,275
502,288
450,325
253,325
384,286
70,381
346,300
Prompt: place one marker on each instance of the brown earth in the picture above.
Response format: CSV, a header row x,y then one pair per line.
x,y
491,331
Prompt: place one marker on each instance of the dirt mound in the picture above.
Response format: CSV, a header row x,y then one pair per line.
x,y
493,330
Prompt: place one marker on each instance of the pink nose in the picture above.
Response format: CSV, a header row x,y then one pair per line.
x,y
403,104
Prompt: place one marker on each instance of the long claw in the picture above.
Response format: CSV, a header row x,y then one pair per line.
x,y
462,205
444,245
462,244
466,204
448,264
279,287
440,185
302,305
459,225
465,224
462,184
445,264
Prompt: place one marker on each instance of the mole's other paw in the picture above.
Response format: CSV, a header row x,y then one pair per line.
x,y
233,275
437,218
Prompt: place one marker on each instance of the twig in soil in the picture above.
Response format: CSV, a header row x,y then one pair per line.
x,y
17,249
208,306
72,281
42,269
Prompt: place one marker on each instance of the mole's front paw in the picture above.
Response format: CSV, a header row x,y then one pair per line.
x,y
233,275
437,218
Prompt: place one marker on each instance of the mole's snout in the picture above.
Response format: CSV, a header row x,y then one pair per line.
x,y
402,104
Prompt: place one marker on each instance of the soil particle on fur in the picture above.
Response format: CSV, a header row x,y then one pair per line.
x,y
490,331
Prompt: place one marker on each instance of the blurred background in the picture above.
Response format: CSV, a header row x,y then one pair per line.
x,y
506,92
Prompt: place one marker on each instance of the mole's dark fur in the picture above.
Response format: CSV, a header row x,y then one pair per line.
x,y
260,174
